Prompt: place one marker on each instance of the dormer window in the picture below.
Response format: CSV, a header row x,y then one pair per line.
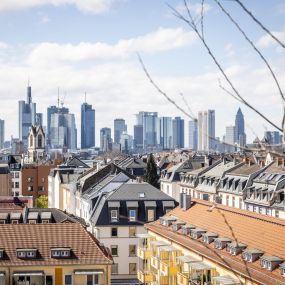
x,y
28,253
221,243
251,255
197,233
186,229
114,207
209,237
177,225
141,195
282,269
64,252
167,221
270,262
235,248
114,215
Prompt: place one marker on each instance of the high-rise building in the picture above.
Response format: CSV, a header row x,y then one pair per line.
x,y
273,137
165,133
178,132
206,130
138,137
230,138
27,116
2,133
105,139
240,137
149,121
193,135
87,126
119,127
39,119
126,142
63,132
53,110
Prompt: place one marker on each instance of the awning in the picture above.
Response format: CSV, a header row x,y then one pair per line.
x,y
187,259
226,280
29,273
168,204
88,271
150,204
113,204
200,266
132,204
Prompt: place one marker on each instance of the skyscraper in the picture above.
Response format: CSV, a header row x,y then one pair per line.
x,y
193,135
39,119
138,136
165,133
87,126
119,127
178,132
105,139
206,130
239,128
63,132
27,116
2,133
230,138
273,137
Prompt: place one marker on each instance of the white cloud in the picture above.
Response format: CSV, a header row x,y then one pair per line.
x,y
87,6
160,40
267,41
3,45
195,8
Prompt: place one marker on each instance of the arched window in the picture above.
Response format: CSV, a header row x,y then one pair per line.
x,y
40,140
31,141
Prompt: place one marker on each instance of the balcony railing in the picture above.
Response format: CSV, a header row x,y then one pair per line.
x,y
145,277
144,253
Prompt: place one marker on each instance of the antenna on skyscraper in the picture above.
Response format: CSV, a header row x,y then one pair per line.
x,y
58,97
85,97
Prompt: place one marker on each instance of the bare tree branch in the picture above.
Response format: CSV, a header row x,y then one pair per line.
x,y
259,23
235,91
202,18
187,105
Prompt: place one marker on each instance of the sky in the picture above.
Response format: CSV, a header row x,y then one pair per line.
x,y
91,46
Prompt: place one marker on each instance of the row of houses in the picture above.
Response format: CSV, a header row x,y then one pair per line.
x,y
244,183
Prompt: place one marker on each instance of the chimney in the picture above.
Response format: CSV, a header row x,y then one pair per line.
x,y
279,161
139,179
181,200
186,202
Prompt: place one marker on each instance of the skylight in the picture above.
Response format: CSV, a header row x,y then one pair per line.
x,y
141,195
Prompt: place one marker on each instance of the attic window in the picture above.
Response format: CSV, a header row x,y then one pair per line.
x,y
270,262
221,243
235,248
209,237
60,252
141,195
282,269
26,253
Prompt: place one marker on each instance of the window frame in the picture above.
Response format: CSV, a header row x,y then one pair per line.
x,y
135,231
116,218
135,250
115,247
148,216
131,217
115,265
112,232
71,279
135,271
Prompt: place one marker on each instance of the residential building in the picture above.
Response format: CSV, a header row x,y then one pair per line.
x,y
63,132
2,133
193,135
15,168
105,139
119,128
46,254
165,133
206,130
178,132
240,135
5,181
87,126
205,243
27,116
121,217
133,165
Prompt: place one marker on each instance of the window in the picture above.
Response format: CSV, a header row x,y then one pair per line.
x,y
30,188
276,213
132,215
115,268
114,232
16,184
60,253
114,250
132,268
17,175
1,254
14,222
43,180
150,215
227,200
114,215
32,221
16,193
68,280
132,231
41,188
240,203
282,271
30,179
132,250
49,280
234,202
141,195
40,139
26,253
93,279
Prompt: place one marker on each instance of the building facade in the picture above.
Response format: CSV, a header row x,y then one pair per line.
x,y
105,139
165,133
119,127
2,133
193,135
178,132
206,130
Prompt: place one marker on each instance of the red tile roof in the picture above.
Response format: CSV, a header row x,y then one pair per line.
x,y
255,230
85,248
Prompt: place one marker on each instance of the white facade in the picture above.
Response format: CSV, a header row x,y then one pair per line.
x,y
16,179
206,130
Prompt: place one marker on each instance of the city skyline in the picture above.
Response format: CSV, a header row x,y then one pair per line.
x,y
103,62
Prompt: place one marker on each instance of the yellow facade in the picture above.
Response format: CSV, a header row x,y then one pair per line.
x,y
48,275
162,262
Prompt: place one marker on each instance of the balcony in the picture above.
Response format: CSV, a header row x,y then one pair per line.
x,y
154,262
144,253
168,267
182,278
145,277
163,280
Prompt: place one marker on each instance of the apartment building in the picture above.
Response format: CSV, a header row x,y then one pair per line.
x,y
203,243
52,254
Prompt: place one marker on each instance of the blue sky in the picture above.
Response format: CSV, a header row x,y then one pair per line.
x,y
91,45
